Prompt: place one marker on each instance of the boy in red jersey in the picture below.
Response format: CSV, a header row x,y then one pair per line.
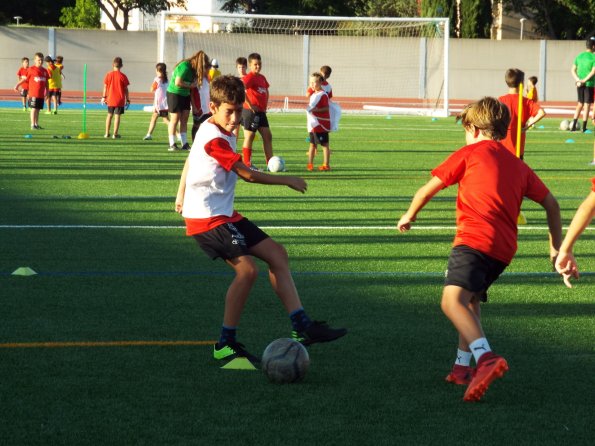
x,y
254,117
37,79
206,201
325,71
491,185
531,111
319,122
22,74
565,262
115,95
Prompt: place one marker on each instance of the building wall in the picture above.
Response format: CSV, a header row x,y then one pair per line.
x,y
476,66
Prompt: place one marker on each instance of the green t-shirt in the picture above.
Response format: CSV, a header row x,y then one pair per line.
x,y
184,71
584,63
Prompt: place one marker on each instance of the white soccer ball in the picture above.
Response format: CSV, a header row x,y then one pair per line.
x,y
565,124
276,164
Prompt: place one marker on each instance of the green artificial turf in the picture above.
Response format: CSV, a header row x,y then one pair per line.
x,y
94,218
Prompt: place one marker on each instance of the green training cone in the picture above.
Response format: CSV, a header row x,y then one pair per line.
x,y
24,271
239,364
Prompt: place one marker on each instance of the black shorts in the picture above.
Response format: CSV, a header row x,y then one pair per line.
x,y
177,103
584,94
115,110
319,138
252,121
36,103
24,93
162,113
472,270
231,240
197,120
55,92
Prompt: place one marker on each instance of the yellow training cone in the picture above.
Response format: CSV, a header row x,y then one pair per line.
x,y
24,271
83,135
521,220
239,364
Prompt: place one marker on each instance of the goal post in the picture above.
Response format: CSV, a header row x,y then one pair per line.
x,y
379,65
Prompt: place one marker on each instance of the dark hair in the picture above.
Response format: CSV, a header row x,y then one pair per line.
x,y
40,55
59,59
533,80
242,61
227,89
49,59
514,77
326,71
487,115
25,59
118,62
591,43
318,76
254,56
162,70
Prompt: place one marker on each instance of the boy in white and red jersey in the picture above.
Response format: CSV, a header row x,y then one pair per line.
x,y
254,117
565,262
22,74
37,79
206,201
491,185
319,122
326,71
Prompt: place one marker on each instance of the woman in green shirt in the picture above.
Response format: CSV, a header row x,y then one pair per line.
x,y
187,74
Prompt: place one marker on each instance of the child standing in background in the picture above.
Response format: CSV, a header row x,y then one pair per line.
x,y
22,75
159,88
319,122
115,95
54,85
37,79
532,89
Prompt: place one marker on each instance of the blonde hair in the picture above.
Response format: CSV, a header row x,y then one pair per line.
x,y
488,115
200,64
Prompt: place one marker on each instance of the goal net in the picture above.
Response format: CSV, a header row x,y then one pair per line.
x,y
382,65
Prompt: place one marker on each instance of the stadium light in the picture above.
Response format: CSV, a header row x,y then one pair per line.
x,y
18,18
522,20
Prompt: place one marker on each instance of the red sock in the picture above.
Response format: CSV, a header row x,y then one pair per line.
x,y
247,156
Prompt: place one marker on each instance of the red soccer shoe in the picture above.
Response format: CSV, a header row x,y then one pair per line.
x,y
490,367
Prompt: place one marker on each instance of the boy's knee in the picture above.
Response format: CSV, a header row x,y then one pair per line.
x,y
248,273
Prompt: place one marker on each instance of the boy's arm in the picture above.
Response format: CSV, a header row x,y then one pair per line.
x,y
554,223
252,176
534,119
420,199
565,262
104,94
181,189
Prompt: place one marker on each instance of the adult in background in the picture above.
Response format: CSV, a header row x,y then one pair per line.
x,y
583,70
188,73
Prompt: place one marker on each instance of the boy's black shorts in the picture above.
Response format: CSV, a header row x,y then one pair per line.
x,y
24,93
585,94
231,240
115,110
319,138
472,270
197,120
36,103
177,103
162,113
252,121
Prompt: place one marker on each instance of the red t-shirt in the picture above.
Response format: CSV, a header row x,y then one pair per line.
x,y
530,108
22,73
492,184
593,184
257,90
37,77
219,149
116,83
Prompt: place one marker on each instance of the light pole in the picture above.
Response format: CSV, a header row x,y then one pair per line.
x,y
522,20
18,18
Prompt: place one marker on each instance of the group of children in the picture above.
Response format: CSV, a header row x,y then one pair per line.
x,y
38,85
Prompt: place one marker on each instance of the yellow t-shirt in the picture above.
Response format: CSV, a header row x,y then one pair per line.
x,y
55,77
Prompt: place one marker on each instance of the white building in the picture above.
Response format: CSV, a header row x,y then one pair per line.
x,y
139,21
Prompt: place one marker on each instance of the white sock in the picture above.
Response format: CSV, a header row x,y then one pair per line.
x,y
172,140
479,347
463,358
179,137
183,138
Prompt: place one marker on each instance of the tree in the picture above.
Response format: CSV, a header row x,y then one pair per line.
x,y
557,19
303,7
441,8
476,19
389,8
114,8
33,12
85,14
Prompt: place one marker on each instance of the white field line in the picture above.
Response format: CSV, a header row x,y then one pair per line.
x,y
292,228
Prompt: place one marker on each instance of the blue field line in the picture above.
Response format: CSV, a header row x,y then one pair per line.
x,y
429,274
73,105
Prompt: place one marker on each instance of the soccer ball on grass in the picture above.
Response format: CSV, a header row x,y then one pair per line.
x,y
285,361
565,124
276,164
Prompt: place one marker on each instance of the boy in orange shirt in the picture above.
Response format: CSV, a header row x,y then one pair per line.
x,y
37,79
115,95
531,111
491,185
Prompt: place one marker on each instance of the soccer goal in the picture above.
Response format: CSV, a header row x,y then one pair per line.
x,y
379,65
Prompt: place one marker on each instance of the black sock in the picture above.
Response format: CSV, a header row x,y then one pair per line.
x,y
228,334
300,320
584,125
